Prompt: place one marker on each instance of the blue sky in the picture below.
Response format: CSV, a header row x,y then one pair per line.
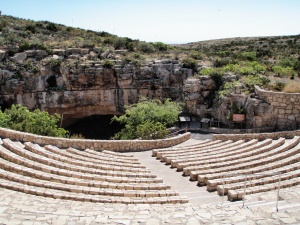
x,y
169,21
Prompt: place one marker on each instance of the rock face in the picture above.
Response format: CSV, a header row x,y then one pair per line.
x,y
87,88
197,94
76,83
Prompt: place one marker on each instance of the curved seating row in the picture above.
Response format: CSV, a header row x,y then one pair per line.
x,y
223,165
80,175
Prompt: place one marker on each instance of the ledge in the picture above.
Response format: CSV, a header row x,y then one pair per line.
x,y
98,145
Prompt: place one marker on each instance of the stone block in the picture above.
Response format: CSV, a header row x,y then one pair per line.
x,y
84,51
71,51
291,117
60,52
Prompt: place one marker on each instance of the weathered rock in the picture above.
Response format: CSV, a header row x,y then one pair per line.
x,y
60,52
2,54
88,88
72,51
19,57
39,54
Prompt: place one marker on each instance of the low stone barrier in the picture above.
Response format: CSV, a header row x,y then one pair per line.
x,y
259,136
98,145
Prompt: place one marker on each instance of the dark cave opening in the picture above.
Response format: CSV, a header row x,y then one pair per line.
x,y
97,127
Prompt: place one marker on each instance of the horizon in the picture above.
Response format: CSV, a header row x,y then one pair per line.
x,y
171,22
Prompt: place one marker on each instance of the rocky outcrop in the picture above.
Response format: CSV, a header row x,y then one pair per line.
x,y
70,84
197,95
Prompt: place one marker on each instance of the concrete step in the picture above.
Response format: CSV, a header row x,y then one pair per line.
x,y
289,207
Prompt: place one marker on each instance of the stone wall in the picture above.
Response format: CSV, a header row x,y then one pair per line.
x,y
98,145
259,136
285,107
265,111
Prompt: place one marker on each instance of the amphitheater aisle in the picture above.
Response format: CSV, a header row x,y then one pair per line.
x,y
175,179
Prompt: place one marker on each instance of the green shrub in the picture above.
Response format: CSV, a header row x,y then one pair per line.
x,y
119,43
284,71
151,130
258,80
146,47
196,55
207,71
160,46
37,122
108,64
52,27
251,56
24,46
220,62
5,120
152,115
190,63
31,28
227,89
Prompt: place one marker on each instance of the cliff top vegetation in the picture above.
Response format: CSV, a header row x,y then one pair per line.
x,y
273,62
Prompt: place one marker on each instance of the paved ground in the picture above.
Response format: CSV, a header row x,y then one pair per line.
x,y
21,208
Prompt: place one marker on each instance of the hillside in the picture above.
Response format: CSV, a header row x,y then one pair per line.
x,y
274,57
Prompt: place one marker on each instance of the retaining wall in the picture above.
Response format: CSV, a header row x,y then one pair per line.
x,y
286,107
98,145
259,136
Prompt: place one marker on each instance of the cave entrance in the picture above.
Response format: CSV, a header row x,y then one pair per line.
x,y
95,127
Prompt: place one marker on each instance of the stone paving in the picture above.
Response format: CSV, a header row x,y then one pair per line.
x,y
21,208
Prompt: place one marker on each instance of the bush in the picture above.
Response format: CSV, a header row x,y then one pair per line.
x,y
146,47
221,62
108,64
189,63
227,89
253,80
207,71
119,43
151,130
196,55
52,27
31,28
160,46
4,120
251,56
147,119
37,122
284,71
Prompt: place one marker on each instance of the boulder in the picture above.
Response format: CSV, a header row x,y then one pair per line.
x,y
19,57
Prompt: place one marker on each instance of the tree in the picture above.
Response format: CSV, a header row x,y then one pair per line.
x,y
147,119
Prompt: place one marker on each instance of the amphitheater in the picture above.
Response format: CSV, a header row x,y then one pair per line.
x,y
220,179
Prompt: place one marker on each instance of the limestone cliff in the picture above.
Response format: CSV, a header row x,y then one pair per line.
x,y
68,82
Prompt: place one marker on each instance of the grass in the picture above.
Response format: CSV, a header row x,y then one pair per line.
x,y
288,85
292,86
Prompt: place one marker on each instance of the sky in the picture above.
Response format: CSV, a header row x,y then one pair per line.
x,y
168,21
